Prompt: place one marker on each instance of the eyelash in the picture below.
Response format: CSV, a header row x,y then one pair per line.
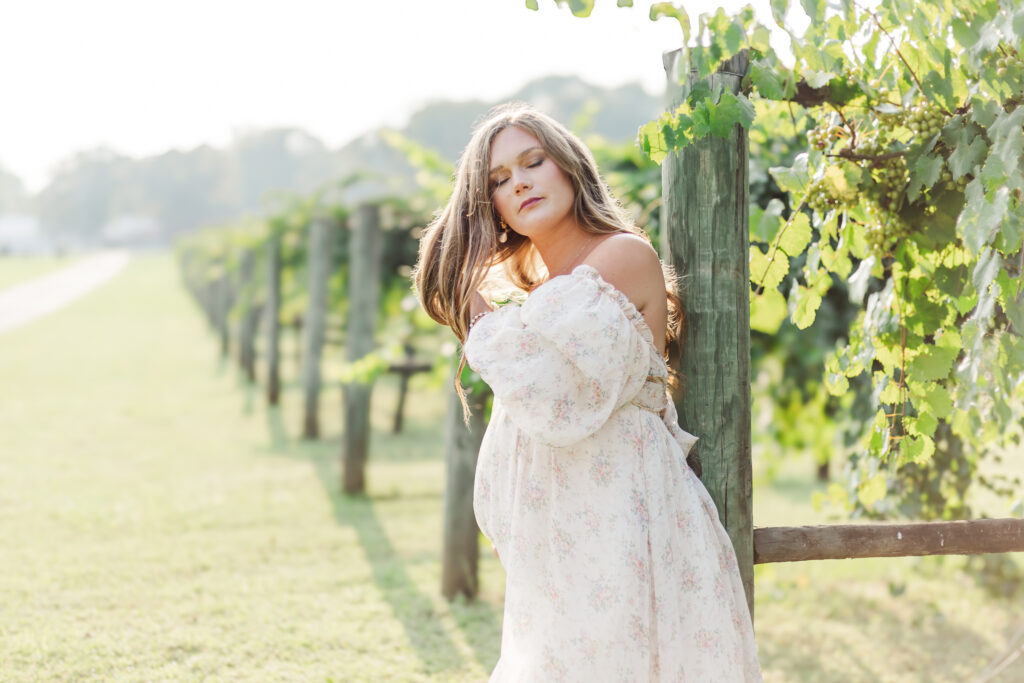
x,y
533,165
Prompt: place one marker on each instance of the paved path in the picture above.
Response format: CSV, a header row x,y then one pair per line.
x,y
27,301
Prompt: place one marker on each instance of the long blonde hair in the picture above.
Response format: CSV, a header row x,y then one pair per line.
x,y
459,248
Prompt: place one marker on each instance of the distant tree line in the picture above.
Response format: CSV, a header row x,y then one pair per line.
x,y
253,176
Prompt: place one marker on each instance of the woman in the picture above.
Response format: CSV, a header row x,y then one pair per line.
x,y
617,565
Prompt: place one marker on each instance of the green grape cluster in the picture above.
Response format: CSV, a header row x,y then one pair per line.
x,y
821,138
926,120
871,144
892,120
820,199
891,177
947,177
885,229
1004,62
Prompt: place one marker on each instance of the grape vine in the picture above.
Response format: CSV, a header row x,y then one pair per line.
x,y
909,192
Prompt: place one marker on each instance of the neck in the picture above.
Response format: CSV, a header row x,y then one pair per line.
x,y
563,249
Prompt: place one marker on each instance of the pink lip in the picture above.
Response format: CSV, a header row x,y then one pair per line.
x,y
529,202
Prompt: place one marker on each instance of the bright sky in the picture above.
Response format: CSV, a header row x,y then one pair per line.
x,y
144,77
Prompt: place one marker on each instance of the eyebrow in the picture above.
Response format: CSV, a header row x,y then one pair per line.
x,y
520,156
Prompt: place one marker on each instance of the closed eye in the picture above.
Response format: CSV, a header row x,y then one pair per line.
x,y
499,183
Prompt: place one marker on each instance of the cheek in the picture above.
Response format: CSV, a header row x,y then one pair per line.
x,y
501,204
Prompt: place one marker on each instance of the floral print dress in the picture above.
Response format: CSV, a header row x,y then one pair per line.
x,y
617,565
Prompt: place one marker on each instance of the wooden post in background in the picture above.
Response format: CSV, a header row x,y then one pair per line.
x,y
273,318
461,551
705,209
249,318
364,295
319,263
225,299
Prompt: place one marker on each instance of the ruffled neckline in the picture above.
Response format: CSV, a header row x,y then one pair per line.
x,y
628,307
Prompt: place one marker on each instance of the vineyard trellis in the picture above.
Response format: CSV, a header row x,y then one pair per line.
x,y
706,199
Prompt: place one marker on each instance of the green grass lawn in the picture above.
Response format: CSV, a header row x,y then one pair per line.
x,y
15,269
158,523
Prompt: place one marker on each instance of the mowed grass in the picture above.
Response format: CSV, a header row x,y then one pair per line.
x,y
17,269
159,523
876,619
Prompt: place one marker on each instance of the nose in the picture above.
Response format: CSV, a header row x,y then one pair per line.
x,y
521,183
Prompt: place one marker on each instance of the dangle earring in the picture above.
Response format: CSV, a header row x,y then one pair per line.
x,y
503,237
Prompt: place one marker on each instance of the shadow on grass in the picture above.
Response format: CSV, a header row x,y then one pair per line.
x,y
415,610
833,654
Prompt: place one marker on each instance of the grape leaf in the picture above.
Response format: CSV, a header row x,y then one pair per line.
x,y
767,273
858,282
731,109
932,363
966,154
925,424
779,9
768,83
1013,307
919,448
871,490
793,179
698,91
765,223
924,172
986,269
581,8
673,11
983,112
818,79
807,303
980,218
796,235
1008,139
767,311
815,9
940,89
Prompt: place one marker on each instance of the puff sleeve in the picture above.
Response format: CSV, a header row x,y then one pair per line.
x,y
563,361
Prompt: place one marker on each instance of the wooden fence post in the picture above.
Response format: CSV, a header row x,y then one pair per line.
x,y
319,263
249,318
461,535
406,369
364,294
705,209
273,318
225,299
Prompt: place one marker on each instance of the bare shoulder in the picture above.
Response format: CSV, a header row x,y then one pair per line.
x,y
630,264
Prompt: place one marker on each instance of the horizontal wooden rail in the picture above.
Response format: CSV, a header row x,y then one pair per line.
x,y
410,368
887,539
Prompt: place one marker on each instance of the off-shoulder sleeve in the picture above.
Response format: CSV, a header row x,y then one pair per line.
x,y
563,361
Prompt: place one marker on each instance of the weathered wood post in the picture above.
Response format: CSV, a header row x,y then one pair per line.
x,y
705,195
273,320
249,319
404,373
364,294
225,299
318,261
209,294
461,551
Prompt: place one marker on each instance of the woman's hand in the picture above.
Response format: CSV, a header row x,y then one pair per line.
x,y
477,304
